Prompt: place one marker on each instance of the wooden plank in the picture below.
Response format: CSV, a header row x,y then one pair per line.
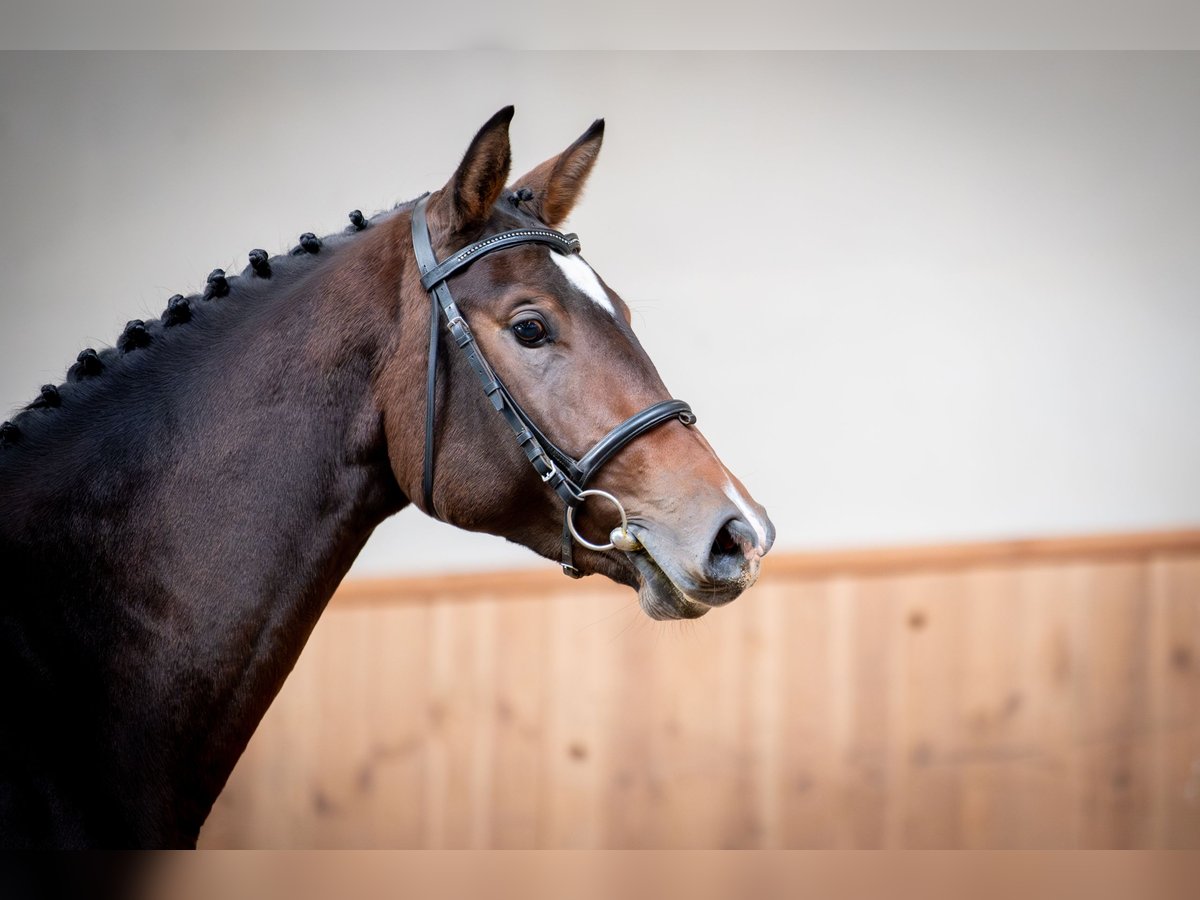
x,y
1176,665
520,677
628,710
932,650
1016,793
459,709
765,751
814,644
989,749
392,770
862,761
574,754
1114,704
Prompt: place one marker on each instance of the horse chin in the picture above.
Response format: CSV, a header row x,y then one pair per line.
x,y
659,596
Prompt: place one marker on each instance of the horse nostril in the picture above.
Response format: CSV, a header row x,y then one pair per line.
x,y
725,543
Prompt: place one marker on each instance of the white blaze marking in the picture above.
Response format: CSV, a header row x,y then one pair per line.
x,y
580,275
738,498
747,513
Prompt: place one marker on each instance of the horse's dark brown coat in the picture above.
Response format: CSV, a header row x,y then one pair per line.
x,y
174,518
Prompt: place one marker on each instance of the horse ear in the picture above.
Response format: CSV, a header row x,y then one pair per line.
x,y
557,184
476,185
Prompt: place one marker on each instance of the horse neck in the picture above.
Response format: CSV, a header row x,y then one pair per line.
x,y
167,584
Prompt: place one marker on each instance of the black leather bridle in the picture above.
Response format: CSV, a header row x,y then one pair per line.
x,y
566,475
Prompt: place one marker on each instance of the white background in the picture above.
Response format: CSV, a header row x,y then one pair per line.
x,y
913,297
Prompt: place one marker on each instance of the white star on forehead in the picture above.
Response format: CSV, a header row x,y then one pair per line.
x,y
582,277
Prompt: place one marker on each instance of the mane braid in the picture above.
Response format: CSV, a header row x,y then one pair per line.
x,y
144,344
49,397
217,285
260,263
87,365
134,336
178,311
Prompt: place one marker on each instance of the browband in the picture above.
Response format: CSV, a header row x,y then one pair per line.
x,y
563,243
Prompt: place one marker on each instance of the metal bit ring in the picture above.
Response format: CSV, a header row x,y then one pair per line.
x,y
624,528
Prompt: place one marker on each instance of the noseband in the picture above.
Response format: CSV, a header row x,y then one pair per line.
x,y
566,475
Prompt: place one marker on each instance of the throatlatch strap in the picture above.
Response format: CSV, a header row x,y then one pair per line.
x,y
430,407
425,260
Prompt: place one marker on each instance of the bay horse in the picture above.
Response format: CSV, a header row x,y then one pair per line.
x,y
178,513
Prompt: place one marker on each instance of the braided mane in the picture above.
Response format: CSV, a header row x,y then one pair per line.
x,y
223,298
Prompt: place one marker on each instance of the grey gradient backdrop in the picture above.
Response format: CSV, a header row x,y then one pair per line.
x,y
913,297
613,24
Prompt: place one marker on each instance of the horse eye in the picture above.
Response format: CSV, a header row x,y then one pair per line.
x,y
530,331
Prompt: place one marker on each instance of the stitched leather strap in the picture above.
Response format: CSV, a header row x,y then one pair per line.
x,y
632,428
423,252
563,243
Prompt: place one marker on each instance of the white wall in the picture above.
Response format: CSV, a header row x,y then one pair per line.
x,y
912,297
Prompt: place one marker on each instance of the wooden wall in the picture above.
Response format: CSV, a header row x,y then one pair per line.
x,y
1039,694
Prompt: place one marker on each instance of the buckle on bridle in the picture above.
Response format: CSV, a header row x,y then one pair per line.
x,y
553,469
463,335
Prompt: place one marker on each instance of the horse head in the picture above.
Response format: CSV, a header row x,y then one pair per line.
x,y
560,346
